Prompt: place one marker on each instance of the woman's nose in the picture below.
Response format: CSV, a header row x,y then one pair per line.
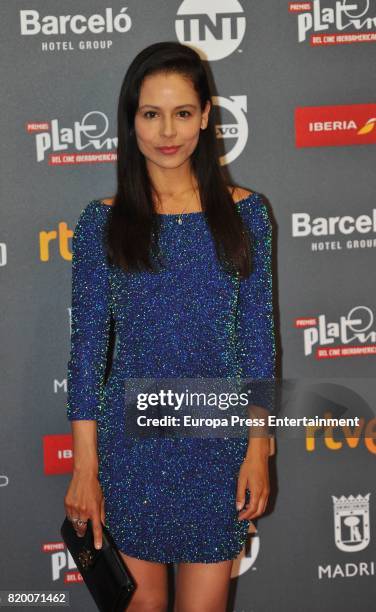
x,y
168,127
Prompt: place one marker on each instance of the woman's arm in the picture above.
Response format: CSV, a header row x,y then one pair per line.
x,y
255,321
257,351
90,325
85,457
90,315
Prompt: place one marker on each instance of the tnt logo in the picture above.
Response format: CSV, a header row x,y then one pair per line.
x,y
215,29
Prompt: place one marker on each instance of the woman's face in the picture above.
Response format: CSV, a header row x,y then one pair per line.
x,y
168,115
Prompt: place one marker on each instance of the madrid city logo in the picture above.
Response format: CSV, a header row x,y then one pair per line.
x,y
351,534
214,29
351,522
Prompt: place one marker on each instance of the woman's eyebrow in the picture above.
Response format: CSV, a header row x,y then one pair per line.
x,y
158,107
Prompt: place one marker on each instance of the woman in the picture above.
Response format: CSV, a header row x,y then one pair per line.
x,y
169,260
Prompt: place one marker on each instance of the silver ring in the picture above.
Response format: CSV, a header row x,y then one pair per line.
x,y
78,521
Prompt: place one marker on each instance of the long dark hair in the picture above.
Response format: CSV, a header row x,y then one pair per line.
x,y
132,232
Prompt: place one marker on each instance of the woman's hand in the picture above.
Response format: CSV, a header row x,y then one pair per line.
x,y
84,500
254,474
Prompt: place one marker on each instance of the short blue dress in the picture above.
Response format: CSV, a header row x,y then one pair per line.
x,y
168,499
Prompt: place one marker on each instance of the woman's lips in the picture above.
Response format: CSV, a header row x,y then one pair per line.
x,y
168,150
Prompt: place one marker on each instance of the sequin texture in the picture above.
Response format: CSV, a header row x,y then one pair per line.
x,y
168,500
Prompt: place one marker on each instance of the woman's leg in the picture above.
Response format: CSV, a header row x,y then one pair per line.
x,y
202,587
151,594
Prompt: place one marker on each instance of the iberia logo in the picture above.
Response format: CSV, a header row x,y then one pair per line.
x,y
57,454
347,124
368,126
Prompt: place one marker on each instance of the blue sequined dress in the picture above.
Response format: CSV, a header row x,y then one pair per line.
x,y
168,500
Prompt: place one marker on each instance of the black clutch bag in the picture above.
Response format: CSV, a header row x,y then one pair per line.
x,y
103,571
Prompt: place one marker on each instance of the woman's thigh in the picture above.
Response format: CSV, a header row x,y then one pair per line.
x,y
151,594
202,587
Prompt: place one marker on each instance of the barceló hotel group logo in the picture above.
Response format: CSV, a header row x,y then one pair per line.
x,y
47,29
337,232
323,126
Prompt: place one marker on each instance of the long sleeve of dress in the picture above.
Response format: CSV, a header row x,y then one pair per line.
x,y
255,320
90,317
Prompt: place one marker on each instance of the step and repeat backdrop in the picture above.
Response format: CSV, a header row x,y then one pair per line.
x,y
295,99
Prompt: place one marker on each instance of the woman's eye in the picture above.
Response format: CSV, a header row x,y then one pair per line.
x,y
148,113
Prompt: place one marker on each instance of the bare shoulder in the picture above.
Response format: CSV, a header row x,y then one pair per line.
x,y
108,201
239,193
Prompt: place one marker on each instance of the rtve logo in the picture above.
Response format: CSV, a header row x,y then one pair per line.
x,y
338,438
214,29
54,240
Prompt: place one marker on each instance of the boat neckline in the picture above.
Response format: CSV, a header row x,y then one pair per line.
x,y
187,214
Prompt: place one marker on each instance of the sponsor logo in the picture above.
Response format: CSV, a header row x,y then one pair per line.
x,y
344,436
351,522
54,240
325,230
347,22
342,125
62,560
215,30
236,128
347,570
331,339
47,27
351,534
54,140
57,454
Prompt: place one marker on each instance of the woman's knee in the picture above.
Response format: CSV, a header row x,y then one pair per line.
x,y
147,602
151,594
